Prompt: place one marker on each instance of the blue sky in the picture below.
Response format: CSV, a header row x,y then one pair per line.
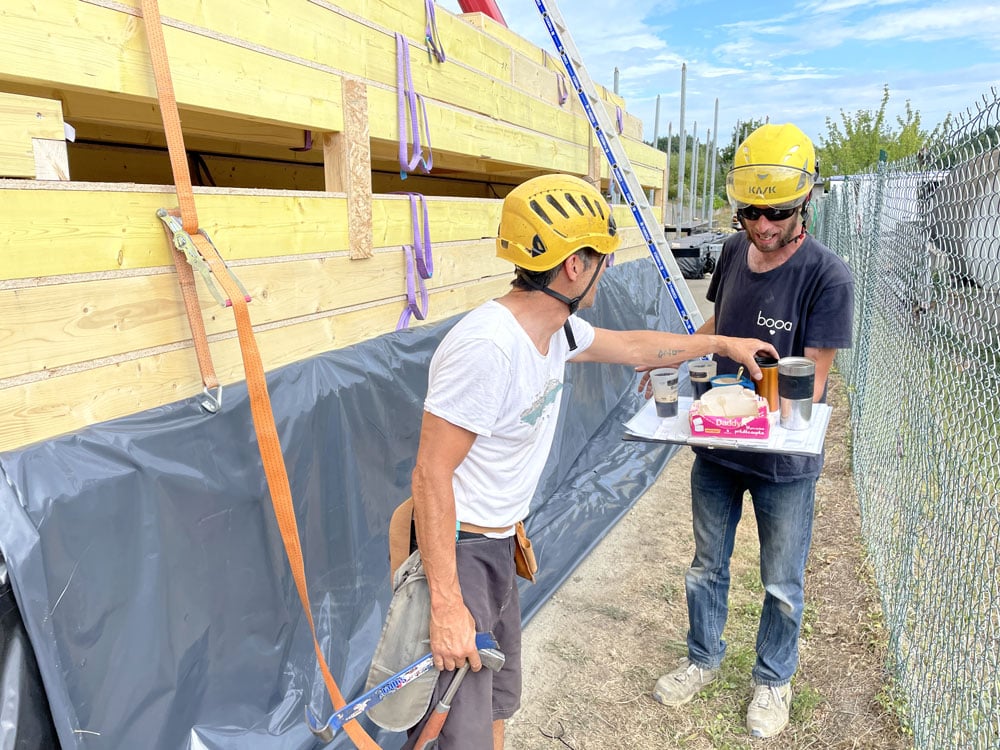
x,y
789,62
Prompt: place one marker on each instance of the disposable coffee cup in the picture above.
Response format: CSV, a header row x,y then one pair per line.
x,y
700,372
720,381
767,386
664,380
796,379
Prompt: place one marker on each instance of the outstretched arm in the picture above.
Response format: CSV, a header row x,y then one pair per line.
x,y
661,349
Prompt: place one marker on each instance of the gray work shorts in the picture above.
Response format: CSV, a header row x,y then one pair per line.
x,y
489,588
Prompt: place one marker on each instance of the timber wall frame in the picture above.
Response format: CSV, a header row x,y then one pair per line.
x,y
92,326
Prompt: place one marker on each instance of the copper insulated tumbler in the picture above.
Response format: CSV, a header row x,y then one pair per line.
x,y
767,386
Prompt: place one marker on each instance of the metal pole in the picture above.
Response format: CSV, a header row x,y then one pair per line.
x,y
656,124
666,181
704,177
682,149
616,79
694,171
715,152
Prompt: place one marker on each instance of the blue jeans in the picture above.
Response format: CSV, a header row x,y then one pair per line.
x,y
784,513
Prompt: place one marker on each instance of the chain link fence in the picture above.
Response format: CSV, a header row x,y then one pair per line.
x,y
922,236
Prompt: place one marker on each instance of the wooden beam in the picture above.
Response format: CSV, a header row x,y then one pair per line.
x,y
99,227
48,326
85,46
32,140
39,409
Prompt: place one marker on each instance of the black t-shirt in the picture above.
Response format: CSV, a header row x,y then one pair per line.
x,y
806,301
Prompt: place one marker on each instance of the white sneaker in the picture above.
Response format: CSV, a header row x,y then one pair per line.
x,y
684,683
768,711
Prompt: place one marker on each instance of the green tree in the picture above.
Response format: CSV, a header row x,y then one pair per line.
x,y
855,147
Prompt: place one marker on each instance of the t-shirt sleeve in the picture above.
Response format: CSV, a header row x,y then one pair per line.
x,y
468,383
583,332
831,316
729,247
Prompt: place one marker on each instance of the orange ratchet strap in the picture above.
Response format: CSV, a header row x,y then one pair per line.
x,y
193,247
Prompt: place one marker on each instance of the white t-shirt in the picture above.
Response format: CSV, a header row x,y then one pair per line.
x,y
488,377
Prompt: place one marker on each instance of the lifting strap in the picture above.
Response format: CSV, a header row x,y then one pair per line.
x,y
435,49
418,254
260,402
407,100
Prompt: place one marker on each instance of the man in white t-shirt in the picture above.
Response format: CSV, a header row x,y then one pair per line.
x,y
491,410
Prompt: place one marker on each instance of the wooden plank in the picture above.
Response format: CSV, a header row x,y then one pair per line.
x,y
34,410
44,408
376,61
77,44
31,138
50,326
98,228
466,133
507,37
54,325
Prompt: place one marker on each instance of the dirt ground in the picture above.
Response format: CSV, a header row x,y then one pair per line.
x,y
594,651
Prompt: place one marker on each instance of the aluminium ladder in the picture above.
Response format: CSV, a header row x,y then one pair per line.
x,y
621,167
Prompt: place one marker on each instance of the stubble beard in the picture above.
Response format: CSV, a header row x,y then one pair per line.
x,y
777,241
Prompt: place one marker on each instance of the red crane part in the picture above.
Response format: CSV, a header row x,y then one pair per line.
x,y
489,7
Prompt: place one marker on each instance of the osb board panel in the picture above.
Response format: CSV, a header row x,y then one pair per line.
x,y
96,228
77,44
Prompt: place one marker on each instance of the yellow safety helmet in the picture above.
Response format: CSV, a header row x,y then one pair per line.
x,y
548,218
774,166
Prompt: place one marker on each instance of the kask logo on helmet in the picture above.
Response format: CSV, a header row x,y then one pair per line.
x,y
762,190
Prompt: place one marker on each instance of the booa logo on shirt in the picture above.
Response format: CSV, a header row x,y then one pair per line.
x,y
547,397
773,324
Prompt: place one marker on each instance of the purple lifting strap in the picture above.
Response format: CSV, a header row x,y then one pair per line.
x,y
406,100
420,255
619,120
561,86
434,46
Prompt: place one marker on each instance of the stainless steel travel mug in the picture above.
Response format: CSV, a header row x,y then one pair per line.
x,y
796,378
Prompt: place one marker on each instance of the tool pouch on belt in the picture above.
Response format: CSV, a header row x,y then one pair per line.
x,y
405,639
524,555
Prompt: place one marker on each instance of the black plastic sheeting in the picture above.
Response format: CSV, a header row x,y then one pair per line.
x,y
25,720
151,577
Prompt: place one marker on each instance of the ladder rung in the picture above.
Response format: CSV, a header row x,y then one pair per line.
x,y
623,174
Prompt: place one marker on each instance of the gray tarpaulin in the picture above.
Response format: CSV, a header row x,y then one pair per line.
x,y
151,576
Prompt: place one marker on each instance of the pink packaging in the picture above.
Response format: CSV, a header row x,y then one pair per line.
x,y
703,425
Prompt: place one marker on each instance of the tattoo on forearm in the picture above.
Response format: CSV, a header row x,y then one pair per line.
x,y
664,353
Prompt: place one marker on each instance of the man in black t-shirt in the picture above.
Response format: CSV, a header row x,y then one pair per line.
x,y
776,283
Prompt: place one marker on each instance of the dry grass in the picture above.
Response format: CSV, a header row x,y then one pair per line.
x,y
593,653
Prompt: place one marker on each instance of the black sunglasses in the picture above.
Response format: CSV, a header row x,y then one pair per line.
x,y
752,213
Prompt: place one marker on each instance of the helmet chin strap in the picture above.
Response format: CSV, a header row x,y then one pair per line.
x,y
573,304
796,238
801,235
